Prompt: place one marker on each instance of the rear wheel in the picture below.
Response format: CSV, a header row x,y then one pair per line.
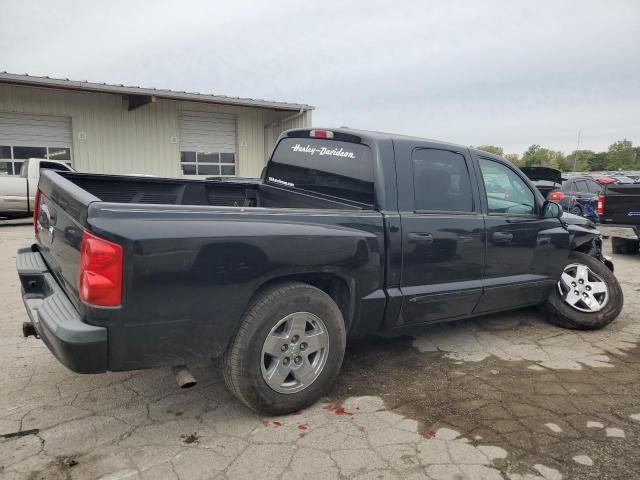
x,y
624,246
587,296
288,349
577,210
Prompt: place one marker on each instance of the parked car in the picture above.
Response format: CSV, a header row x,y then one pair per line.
x,y
545,179
577,194
17,193
635,178
350,233
584,191
605,180
619,210
623,179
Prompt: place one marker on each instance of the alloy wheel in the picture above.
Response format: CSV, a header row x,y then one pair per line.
x,y
295,352
582,289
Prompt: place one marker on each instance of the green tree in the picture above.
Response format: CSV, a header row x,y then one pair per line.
x,y
579,160
491,149
530,158
557,160
537,156
599,161
513,158
622,155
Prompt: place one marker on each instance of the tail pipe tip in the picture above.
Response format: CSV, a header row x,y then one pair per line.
x,y
28,330
183,376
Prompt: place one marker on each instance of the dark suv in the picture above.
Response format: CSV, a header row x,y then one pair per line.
x,y
584,189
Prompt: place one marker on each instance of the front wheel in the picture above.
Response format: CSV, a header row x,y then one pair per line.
x,y
288,349
587,296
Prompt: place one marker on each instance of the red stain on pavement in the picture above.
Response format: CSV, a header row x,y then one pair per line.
x,y
265,423
277,424
342,411
429,433
301,435
337,410
303,426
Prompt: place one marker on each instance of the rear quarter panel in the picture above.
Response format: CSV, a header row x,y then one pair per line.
x,y
191,271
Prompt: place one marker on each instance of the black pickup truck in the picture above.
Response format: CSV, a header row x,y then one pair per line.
x,y
348,233
619,212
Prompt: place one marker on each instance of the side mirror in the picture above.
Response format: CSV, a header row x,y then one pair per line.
x,y
551,210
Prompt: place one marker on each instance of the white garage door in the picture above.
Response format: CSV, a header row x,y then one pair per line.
x,y
207,144
25,136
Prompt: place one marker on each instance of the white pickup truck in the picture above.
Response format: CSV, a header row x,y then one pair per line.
x,y
17,192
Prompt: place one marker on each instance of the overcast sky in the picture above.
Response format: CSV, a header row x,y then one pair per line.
x,y
507,73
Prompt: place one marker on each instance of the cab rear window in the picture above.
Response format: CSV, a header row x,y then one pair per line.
x,y
329,167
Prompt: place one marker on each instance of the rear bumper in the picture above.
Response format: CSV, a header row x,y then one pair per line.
x,y
629,232
77,345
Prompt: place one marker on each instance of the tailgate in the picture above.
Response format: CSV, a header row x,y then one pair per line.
x,y
61,221
622,204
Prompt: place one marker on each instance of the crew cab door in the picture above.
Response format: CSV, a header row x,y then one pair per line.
x,y
442,230
525,253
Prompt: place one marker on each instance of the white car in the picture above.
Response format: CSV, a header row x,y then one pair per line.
x,y
17,193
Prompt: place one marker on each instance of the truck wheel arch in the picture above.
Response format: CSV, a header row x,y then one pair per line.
x,y
340,289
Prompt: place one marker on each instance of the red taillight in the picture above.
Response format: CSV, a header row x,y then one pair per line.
x,y
556,196
601,205
36,211
321,134
100,281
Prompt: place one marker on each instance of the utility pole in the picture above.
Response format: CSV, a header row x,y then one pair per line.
x,y
575,157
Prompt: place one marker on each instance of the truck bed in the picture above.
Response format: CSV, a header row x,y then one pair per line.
x,y
195,251
166,191
621,205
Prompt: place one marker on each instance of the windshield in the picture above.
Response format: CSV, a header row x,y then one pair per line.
x,y
329,167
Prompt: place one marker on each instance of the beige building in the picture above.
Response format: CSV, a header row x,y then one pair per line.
x,y
104,128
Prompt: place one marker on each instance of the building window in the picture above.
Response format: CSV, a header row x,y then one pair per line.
x,y
12,156
208,164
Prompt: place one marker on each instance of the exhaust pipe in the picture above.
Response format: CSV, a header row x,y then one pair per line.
x,y
183,376
28,330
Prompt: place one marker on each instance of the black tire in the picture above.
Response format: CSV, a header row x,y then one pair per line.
x,y
577,210
242,359
624,246
563,315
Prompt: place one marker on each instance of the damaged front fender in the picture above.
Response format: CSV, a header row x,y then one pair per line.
x,y
585,237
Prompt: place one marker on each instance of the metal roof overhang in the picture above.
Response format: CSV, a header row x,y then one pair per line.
x,y
139,93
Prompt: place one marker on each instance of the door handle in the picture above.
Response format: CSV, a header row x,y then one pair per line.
x,y
420,238
502,237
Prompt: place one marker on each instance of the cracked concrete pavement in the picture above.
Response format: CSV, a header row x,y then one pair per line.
x,y
500,397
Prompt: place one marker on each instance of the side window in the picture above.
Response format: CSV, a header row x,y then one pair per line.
x,y
441,181
581,186
594,187
506,191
